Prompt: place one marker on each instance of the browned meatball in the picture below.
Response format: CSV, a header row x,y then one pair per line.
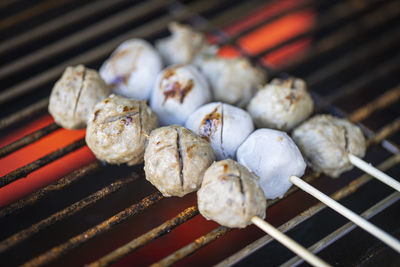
x,y
176,159
230,195
74,96
117,128
326,141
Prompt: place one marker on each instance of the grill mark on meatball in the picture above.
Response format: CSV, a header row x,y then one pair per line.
x,y
123,78
120,116
346,139
79,92
140,120
209,124
222,130
175,90
179,150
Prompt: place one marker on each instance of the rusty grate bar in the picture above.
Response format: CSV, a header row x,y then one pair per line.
x,y
57,186
28,139
106,225
374,46
385,132
348,227
193,247
145,30
340,11
79,37
58,23
374,73
345,34
298,7
42,7
25,113
25,170
388,98
25,234
342,193
146,238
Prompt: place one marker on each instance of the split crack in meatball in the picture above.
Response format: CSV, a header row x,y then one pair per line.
x,y
326,140
74,96
116,130
223,125
231,195
176,159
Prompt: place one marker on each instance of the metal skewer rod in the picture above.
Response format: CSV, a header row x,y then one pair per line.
x,y
289,243
374,172
355,218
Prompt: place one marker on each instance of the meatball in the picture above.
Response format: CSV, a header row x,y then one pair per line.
x,y
223,125
233,81
281,104
326,142
183,45
116,130
178,91
230,195
175,160
74,96
132,69
274,157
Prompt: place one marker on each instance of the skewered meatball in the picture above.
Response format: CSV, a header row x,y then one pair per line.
x,y
233,81
116,130
274,157
178,91
230,195
223,125
176,159
74,96
183,45
132,69
326,141
281,104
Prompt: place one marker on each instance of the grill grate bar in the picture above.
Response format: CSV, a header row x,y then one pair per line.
x,y
101,51
79,37
28,139
345,229
385,132
57,186
193,247
25,113
42,7
52,26
338,195
25,234
146,238
378,71
106,225
388,98
339,12
25,170
345,34
381,44
299,7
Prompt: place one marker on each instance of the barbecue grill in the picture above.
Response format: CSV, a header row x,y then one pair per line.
x,y
60,206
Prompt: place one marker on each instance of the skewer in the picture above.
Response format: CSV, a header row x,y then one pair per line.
x,y
374,172
288,242
355,218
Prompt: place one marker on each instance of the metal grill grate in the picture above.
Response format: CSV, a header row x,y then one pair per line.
x,y
350,66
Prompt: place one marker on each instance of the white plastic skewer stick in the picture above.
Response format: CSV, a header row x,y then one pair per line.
x,y
374,172
289,243
355,218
